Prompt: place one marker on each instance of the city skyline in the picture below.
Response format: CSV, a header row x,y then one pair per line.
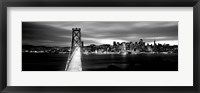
x,y
99,32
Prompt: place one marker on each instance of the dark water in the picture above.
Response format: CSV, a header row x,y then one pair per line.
x,y
43,62
107,62
141,62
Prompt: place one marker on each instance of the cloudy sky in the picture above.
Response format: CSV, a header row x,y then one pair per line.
x,y
99,32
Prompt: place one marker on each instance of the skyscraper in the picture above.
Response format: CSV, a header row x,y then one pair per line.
x,y
154,42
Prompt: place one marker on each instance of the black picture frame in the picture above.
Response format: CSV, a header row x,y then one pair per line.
x,y
98,3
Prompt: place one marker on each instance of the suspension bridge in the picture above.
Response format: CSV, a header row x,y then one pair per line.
x,y
74,58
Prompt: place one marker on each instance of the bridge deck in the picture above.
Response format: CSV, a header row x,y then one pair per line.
x,y
75,64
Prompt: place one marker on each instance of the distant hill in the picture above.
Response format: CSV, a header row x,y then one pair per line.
x,y
32,46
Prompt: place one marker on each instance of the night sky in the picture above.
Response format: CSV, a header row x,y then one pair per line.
x,y
99,32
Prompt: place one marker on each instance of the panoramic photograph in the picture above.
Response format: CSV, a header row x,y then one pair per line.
x,y
100,46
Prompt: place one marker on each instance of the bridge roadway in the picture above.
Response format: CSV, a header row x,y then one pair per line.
x,y
75,62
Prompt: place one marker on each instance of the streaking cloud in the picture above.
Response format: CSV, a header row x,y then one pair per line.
x,y
99,32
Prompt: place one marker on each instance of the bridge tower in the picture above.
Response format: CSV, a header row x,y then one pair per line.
x,y
76,38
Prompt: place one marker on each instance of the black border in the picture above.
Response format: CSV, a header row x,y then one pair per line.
x,y
97,3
